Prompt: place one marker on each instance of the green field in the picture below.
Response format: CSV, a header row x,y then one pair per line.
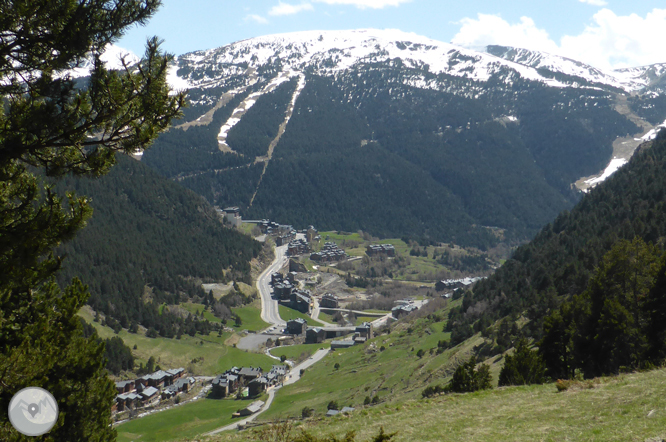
x,y
183,421
292,352
173,353
198,308
287,314
250,317
326,317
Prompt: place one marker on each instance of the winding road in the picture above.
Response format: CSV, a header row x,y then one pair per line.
x,y
293,376
269,306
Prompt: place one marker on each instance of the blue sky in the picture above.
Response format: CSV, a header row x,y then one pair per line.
x,y
604,33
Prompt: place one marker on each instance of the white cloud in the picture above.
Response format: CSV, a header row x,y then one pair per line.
x,y
287,9
594,2
492,29
256,18
609,41
362,4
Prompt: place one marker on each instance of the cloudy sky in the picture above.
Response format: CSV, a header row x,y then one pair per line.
x,y
604,33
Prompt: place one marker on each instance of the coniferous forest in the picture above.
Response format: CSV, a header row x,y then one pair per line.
x,y
149,242
591,283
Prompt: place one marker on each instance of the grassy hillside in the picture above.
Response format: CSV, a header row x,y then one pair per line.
x,y
201,355
629,407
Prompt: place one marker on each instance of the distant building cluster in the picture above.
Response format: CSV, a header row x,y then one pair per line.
x,y
232,215
453,284
329,253
149,389
285,289
253,378
380,250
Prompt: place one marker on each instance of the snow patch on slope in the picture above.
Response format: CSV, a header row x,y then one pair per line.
x,y
612,167
112,56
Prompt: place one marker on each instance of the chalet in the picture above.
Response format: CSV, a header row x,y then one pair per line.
x,y
257,386
125,387
365,330
246,374
159,380
181,385
380,250
176,373
127,400
329,301
315,335
150,395
296,326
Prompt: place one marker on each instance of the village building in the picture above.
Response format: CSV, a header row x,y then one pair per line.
x,y
296,326
301,300
251,409
298,247
282,290
329,253
276,278
311,234
257,386
127,401
365,330
329,301
181,385
246,374
125,387
315,335
380,250
342,344
403,310
453,284
232,215
150,395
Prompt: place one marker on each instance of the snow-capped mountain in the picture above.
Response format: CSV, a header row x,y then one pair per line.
x,y
406,133
330,52
629,79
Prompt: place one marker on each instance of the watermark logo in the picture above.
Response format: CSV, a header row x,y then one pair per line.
x,y
33,411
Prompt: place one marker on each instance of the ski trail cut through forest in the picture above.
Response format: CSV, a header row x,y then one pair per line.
x,y
245,106
281,129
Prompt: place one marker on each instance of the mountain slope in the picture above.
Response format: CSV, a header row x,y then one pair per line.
x,y
458,139
148,237
560,260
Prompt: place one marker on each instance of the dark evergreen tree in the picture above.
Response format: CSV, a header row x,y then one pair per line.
x,y
468,378
524,367
50,127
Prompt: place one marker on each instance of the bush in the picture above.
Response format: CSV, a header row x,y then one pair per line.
x,y
468,378
333,405
433,390
420,353
525,367
375,400
366,401
307,412
336,366
283,358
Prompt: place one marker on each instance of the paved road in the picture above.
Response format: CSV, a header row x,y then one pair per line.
x,y
269,306
293,376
